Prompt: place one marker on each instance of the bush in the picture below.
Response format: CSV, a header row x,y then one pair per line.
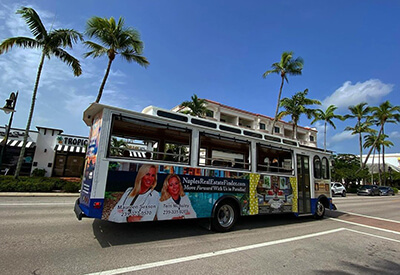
x,y
36,184
395,190
38,172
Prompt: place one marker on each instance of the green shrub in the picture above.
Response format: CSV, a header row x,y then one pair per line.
x,y
38,172
36,184
395,190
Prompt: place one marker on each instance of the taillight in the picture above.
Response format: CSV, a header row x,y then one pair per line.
x,y
97,204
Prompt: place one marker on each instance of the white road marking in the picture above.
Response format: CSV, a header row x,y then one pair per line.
x,y
212,254
37,204
373,235
371,217
367,226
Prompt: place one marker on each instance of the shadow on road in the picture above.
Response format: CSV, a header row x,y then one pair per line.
x,y
113,234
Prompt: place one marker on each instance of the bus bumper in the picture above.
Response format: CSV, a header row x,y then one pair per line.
x,y
78,211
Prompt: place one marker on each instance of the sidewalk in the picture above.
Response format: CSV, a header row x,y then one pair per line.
x,y
37,194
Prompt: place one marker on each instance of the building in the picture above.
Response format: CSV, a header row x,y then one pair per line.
x,y
237,117
60,155
375,163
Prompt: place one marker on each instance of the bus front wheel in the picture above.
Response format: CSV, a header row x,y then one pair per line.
x,y
319,210
225,217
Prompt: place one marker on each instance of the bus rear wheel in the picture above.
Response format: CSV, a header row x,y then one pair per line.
x,y
319,210
225,217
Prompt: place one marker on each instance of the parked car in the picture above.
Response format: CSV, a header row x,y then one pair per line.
x,y
368,190
386,191
338,189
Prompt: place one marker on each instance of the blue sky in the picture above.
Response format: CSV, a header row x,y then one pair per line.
x,y
218,50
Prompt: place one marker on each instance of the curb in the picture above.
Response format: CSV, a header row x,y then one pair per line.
x,y
36,194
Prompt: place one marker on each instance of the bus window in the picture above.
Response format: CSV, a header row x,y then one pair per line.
x,y
272,159
317,167
325,168
148,140
223,152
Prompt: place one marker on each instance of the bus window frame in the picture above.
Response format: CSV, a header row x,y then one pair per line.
x,y
155,154
269,168
218,136
319,171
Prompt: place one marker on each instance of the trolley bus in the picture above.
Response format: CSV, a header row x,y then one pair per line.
x,y
161,165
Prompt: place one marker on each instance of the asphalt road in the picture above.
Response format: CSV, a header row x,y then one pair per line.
x,y
40,235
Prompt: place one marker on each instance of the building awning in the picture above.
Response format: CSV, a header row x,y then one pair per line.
x,y
70,149
137,154
18,143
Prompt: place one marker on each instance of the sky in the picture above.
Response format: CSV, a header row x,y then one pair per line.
x,y
218,50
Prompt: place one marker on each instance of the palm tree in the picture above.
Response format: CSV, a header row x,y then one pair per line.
x,y
327,117
51,44
118,147
115,39
370,140
378,142
359,111
196,107
286,66
296,106
385,113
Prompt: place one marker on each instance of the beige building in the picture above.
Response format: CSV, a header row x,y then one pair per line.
x,y
237,117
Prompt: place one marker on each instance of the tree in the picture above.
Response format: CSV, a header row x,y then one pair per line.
x,y
286,66
384,113
118,147
115,39
296,106
327,117
51,43
196,107
379,143
359,111
346,167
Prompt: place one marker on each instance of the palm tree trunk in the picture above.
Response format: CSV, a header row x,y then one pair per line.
x,y
379,166
325,137
277,107
372,146
360,142
103,83
383,159
28,124
372,173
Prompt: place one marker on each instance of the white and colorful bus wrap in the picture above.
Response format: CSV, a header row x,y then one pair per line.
x,y
161,165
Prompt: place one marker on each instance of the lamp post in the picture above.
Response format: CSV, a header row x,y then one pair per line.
x,y
8,108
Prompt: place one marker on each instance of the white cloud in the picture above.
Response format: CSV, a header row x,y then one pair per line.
x,y
394,134
345,135
370,91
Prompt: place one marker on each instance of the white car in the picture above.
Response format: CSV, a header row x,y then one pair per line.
x,y
338,189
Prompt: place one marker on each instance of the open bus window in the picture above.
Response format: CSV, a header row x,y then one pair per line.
x,y
225,152
139,139
272,159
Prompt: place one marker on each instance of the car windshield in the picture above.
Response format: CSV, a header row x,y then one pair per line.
x,y
384,188
365,187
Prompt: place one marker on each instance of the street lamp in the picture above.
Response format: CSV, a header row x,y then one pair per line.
x,y
8,108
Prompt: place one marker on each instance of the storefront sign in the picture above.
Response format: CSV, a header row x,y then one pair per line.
x,y
72,141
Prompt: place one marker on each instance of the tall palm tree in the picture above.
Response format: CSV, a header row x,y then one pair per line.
x,y
296,106
359,111
115,39
195,107
384,113
327,116
369,141
286,66
51,43
378,142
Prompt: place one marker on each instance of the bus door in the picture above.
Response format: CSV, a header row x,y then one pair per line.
x,y
303,180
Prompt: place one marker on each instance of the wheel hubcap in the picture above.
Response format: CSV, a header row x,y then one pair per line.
x,y
225,215
320,209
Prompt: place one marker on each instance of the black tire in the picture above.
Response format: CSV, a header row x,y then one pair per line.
x,y
319,210
344,194
225,217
